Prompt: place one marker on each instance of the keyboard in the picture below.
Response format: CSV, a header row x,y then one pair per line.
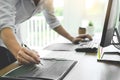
x,y
87,46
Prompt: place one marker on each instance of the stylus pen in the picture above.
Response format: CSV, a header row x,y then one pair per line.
x,y
24,45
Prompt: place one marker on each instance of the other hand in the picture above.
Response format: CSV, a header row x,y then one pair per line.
x,y
81,37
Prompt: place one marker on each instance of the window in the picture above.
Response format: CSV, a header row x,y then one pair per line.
x,y
77,13
95,11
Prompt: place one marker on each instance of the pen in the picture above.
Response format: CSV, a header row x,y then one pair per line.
x,y
24,45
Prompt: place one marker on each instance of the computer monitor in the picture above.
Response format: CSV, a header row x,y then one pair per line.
x,y
110,23
110,29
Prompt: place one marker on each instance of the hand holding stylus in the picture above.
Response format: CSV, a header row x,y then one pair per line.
x,y
27,56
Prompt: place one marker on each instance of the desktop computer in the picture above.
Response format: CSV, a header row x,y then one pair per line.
x,y
110,30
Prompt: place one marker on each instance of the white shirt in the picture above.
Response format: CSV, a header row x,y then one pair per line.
x,y
14,12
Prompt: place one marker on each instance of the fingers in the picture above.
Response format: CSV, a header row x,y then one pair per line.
x,y
77,40
85,36
26,56
22,60
88,36
81,38
32,54
36,53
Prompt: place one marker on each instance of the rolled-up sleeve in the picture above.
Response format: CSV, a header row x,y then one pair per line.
x,y
7,14
48,12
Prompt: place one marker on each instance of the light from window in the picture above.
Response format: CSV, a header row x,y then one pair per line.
x,y
58,3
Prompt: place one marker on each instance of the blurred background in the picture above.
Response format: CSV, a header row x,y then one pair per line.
x,y
72,15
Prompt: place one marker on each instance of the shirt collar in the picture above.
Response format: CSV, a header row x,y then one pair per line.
x,y
37,8
32,1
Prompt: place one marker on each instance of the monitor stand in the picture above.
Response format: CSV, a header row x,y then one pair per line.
x,y
112,56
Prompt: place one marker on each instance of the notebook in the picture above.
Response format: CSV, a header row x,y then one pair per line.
x,y
52,69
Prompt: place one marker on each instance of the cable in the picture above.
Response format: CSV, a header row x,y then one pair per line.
x,y
115,45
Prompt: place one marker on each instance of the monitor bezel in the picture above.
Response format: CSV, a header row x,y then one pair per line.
x,y
106,40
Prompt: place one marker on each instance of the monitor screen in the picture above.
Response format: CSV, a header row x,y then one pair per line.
x,y
111,19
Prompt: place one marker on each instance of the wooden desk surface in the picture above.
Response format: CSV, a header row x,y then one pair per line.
x,y
8,68
90,69
87,68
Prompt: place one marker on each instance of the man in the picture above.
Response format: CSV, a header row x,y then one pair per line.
x,y
14,12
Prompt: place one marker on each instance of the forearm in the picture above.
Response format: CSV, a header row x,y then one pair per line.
x,y
60,30
22,54
9,40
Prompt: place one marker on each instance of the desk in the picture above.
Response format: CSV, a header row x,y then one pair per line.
x,y
87,68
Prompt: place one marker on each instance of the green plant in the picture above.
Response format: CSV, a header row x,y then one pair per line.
x,y
90,24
